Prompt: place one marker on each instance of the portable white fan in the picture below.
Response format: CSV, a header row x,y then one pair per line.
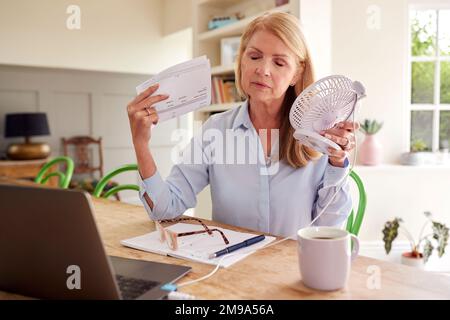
x,y
320,106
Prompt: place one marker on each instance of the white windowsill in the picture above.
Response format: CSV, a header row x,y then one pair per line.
x,y
398,167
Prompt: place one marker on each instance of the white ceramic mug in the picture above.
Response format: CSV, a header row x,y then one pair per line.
x,y
325,263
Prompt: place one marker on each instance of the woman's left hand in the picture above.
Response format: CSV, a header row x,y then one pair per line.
x,y
343,134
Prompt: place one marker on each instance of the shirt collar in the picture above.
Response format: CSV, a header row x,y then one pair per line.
x,y
243,117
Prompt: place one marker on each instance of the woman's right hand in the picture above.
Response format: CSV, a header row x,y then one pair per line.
x,y
142,115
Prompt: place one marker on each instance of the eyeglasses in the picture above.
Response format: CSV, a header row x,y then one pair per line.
x,y
171,237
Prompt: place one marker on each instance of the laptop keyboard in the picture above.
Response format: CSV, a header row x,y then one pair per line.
x,y
131,288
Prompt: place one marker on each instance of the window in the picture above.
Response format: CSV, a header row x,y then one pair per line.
x,y
430,79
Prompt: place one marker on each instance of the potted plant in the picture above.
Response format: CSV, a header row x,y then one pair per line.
x,y
370,150
418,145
418,154
423,248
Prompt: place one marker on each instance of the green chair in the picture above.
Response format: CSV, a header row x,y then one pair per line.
x,y
354,223
64,178
104,181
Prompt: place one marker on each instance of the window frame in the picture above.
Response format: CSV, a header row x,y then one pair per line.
x,y
436,107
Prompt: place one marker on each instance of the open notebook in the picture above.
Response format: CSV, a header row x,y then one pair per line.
x,y
197,247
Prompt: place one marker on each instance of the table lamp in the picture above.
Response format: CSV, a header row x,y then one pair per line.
x,y
27,125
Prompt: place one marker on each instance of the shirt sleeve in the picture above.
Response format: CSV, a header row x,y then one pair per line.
x,y
171,198
341,205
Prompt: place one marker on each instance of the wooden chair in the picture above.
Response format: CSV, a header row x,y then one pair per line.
x,y
83,159
354,222
86,173
98,192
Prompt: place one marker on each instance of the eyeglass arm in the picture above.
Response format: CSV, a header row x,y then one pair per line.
x,y
187,219
203,231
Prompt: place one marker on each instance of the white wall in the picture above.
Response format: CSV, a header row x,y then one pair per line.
x,y
177,15
377,58
316,21
115,35
404,192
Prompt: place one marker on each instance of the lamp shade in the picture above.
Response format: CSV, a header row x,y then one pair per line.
x,y
26,125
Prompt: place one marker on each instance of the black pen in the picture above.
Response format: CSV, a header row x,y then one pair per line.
x,y
237,246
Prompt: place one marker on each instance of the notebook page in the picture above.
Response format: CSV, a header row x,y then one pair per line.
x,y
197,247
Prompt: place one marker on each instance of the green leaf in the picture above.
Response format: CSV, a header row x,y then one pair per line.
x,y
427,250
440,234
390,232
418,145
370,126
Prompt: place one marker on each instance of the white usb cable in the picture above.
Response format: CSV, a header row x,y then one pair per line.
x,y
176,295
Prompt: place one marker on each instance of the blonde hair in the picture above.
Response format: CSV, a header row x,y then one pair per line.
x,y
286,27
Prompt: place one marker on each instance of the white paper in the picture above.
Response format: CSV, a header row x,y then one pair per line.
x,y
197,247
188,85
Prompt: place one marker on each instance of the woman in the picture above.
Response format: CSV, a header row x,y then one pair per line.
x,y
288,188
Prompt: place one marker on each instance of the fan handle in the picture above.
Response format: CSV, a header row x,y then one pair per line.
x,y
315,141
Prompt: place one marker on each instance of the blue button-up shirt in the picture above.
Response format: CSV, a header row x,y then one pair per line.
x,y
266,195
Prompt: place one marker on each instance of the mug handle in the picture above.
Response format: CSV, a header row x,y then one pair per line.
x,y
355,247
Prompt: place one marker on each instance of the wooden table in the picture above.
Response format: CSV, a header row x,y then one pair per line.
x,y
271,273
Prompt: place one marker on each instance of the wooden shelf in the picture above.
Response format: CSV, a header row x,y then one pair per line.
x,y
236,28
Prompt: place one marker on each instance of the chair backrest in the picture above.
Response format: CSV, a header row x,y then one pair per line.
x,y
104,181
354,222
64,178
82,154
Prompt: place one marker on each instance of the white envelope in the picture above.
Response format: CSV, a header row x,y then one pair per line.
x,y
188,85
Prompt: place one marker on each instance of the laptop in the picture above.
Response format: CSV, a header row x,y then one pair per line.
x,y
50,248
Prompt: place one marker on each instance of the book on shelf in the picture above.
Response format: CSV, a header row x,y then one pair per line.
x,y
224,90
